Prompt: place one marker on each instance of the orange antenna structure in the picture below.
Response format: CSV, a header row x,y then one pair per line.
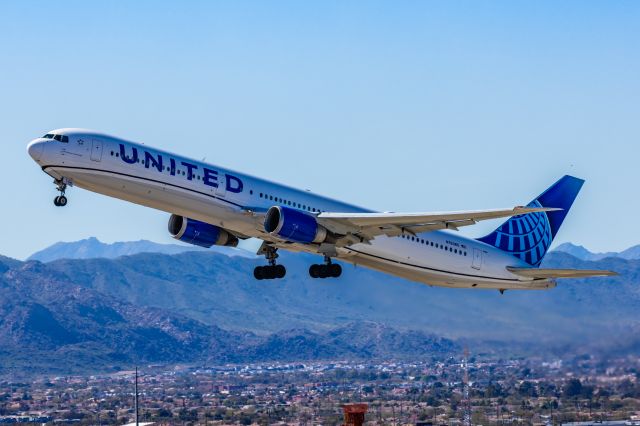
x,y
354,414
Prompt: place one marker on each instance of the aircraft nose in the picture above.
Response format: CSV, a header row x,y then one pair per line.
x,y
36,149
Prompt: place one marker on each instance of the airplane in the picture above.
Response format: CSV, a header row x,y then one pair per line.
x,y
212,205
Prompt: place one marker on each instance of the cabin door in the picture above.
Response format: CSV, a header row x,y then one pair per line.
x,y
477,259
221,190
96,150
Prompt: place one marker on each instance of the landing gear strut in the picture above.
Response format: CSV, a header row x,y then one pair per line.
x,y
326,270
272,270
61,200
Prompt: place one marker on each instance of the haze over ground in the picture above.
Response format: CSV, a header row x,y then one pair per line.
x,y
415,106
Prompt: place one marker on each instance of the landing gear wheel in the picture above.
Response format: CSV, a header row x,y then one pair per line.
x,y
62,201
280,271
269,272
258,273
56,201
314,271
335,270
325,271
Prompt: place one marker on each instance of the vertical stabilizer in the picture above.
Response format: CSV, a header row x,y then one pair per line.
x,y
529,236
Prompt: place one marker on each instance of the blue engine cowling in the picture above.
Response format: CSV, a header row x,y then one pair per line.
x,y
199,233
294,225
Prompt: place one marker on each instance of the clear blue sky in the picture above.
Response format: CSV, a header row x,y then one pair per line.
x,y
402,106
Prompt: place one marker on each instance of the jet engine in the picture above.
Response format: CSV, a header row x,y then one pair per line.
x,y
200,233
294,225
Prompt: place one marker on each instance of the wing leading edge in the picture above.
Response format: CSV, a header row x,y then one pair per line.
x,y
370,225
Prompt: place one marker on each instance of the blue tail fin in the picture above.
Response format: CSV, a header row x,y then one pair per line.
x,y
529,236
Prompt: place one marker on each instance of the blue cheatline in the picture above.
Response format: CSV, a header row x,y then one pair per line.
x,y
529,236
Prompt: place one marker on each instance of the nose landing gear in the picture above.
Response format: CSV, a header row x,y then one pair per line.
x,y
61,200
327,270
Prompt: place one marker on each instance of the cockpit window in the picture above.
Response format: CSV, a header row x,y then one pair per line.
x,y
48,136
61,138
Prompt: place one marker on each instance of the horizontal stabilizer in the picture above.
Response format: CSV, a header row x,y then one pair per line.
x,y
559,273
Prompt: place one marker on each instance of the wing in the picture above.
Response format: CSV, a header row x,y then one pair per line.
x,y
559,273
366,226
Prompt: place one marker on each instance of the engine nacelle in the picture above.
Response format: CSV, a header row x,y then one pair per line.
x,y
200,233
294,225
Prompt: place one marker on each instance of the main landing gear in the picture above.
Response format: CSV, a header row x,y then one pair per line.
x,y
60,200
328,270
271,271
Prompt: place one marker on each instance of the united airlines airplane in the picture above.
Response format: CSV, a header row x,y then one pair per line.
x,y
211,205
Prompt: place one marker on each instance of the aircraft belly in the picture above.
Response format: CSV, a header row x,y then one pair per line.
x,y
439,278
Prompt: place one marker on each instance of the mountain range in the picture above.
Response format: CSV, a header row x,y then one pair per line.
x,y
92,248
582,253
49,324
203,306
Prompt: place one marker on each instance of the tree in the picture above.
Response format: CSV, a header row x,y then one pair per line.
x,y
527,389
572,388
493,390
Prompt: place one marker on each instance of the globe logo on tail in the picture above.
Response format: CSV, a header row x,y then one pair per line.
x,y
527,237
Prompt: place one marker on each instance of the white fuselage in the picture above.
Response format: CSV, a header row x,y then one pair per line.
x,y
235,201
